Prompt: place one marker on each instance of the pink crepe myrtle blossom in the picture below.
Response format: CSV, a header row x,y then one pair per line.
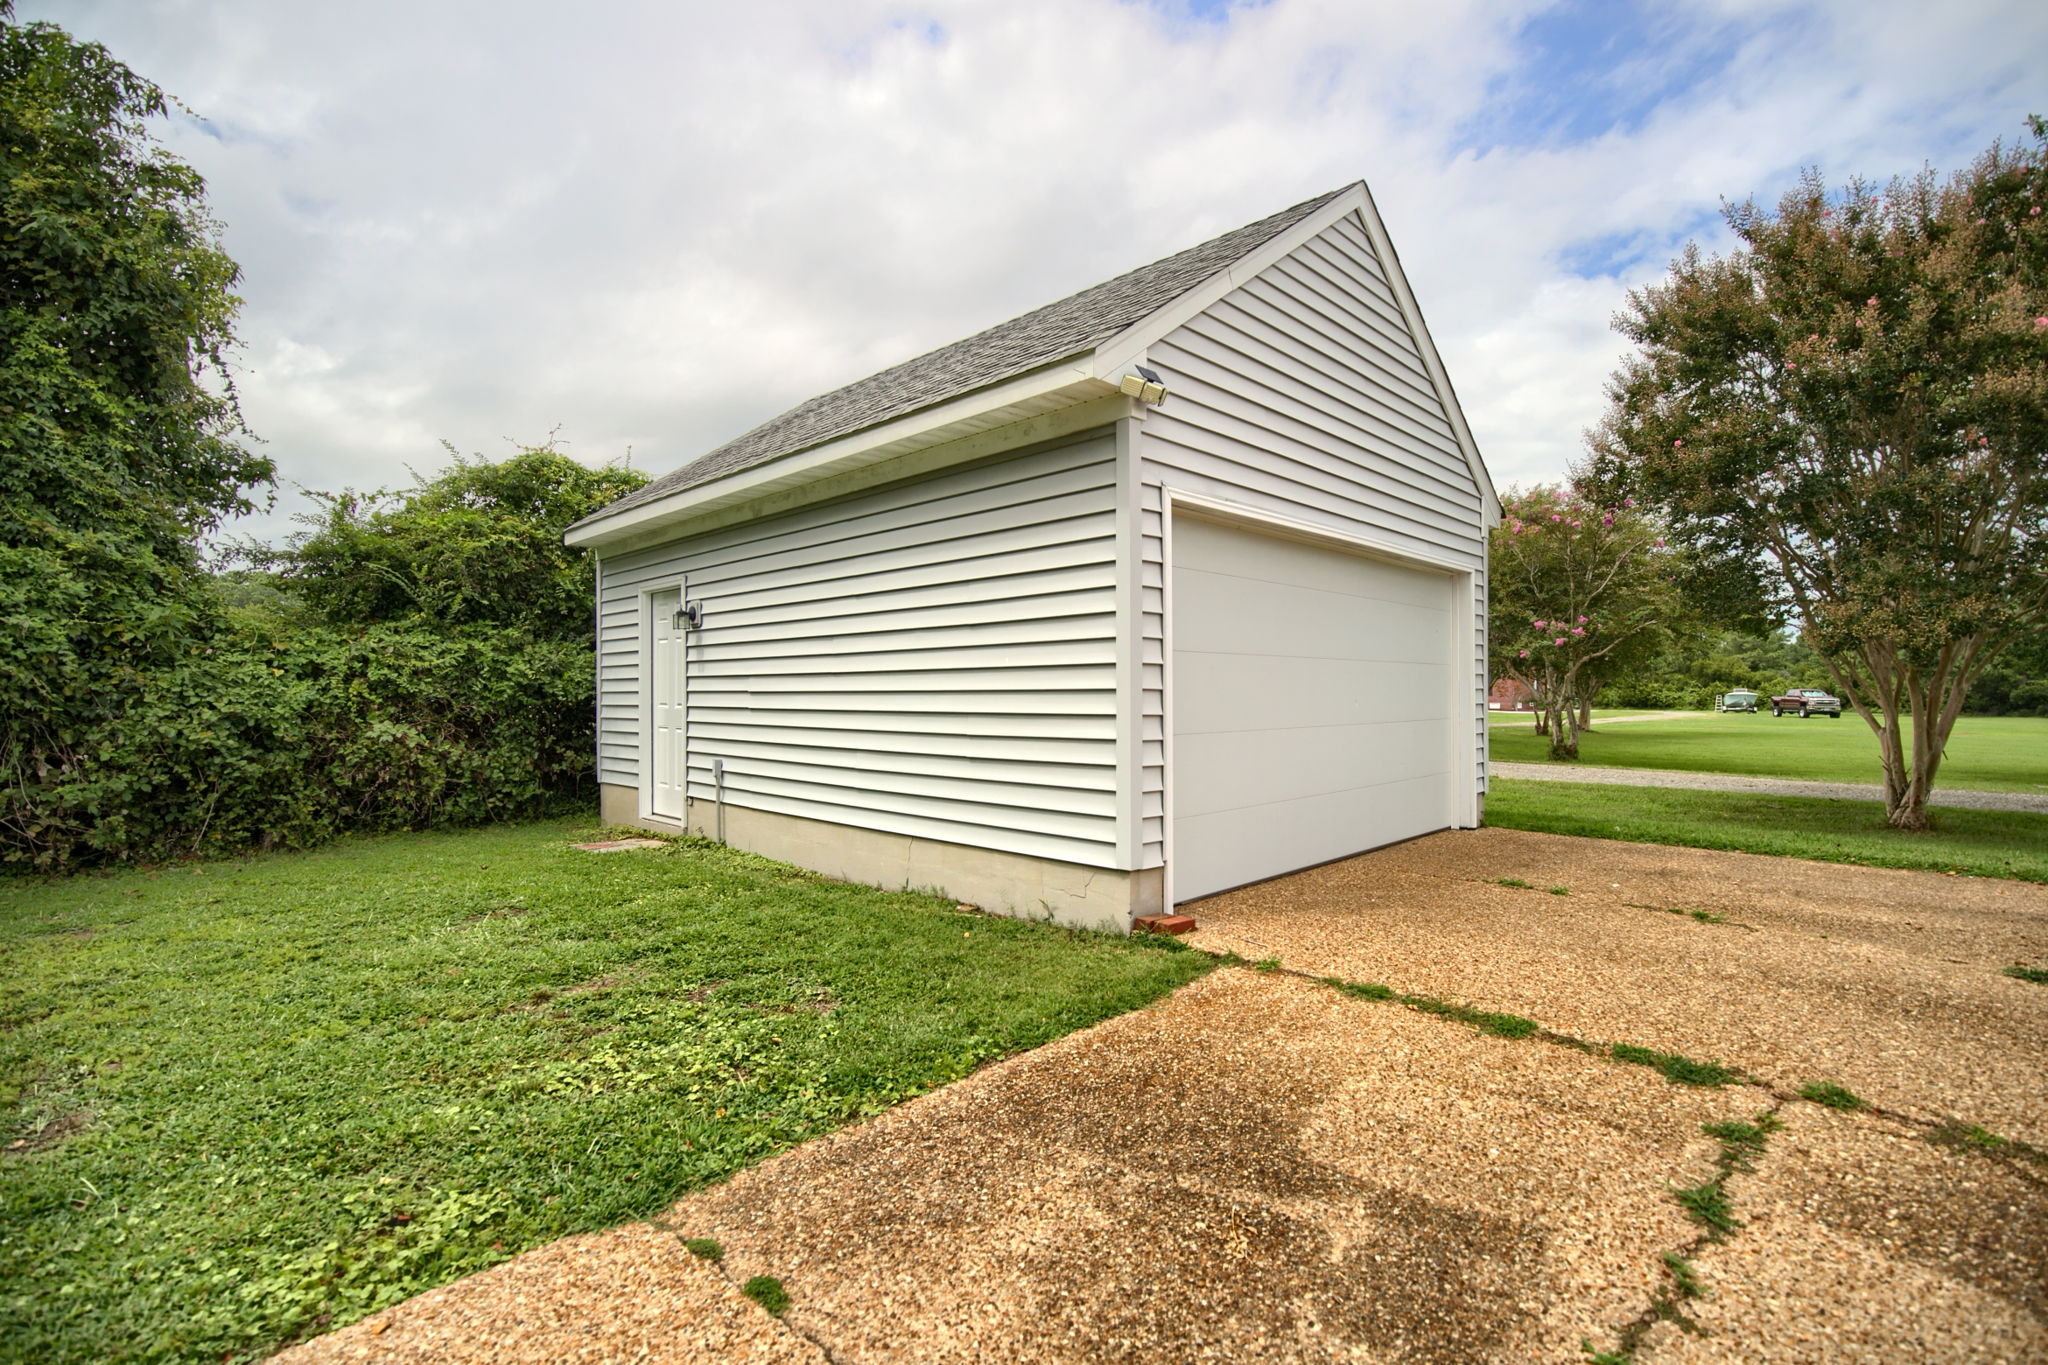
x,y
1578,630
2040,324
1538,624
1560,639
1582,620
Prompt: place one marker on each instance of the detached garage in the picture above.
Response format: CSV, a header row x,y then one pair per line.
x,y
1167,587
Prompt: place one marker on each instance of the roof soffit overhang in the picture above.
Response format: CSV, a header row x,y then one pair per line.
x,y
1038,405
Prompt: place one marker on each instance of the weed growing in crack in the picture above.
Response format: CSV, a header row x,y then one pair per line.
x,y
1832,1095
1596,1356
767,1291
1515,882
1968,1137
1267,964
2037,975
1740,1141
1708,1205
704,1249
1364,990
1486,1021
1691,912
1559,890
1684,1276
1679,1069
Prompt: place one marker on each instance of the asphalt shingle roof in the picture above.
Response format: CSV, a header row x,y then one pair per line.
x,y
1077,323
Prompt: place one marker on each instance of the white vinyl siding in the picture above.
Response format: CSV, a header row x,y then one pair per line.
x,y
1302,394
933,659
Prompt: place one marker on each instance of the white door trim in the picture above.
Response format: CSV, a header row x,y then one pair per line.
x,y
1464,803
646,690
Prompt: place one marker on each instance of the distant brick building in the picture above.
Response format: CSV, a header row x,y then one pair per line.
x,y
1510,694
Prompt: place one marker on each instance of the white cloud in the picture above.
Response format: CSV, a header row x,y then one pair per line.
x,y
655,224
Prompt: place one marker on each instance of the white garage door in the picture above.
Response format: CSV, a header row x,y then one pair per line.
x,y
1311,705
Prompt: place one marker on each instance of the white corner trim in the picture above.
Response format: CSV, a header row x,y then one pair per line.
x,y
926,426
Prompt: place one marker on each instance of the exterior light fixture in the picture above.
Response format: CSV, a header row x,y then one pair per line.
x,y
1145,386
690,616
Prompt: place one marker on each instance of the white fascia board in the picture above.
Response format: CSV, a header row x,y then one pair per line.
x,y
1117,354
926,427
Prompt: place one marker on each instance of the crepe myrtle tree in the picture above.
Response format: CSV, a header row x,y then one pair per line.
x,y
1573,586
1856,398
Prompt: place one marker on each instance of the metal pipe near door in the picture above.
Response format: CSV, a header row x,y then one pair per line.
x,y
718,793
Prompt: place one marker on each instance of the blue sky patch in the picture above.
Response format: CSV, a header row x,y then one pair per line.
x,y
1593,67
1629,254
1214,12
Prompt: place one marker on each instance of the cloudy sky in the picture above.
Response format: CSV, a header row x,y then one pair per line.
x,y
646,226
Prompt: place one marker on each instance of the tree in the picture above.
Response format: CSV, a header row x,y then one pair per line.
x,y
478,544
1857,397
1572,586
120,439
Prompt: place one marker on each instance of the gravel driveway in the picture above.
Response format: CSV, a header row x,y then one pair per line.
x,y
1269,1166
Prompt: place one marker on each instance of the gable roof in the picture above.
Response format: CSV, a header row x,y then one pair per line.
x,y
1075,324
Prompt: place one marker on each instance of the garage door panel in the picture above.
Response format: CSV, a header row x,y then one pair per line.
x,y
1229,848
1227,614
1310,702
1234,770
1250,554
1243,691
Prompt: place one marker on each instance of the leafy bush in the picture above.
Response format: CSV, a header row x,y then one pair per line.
x,y
267,743
286,709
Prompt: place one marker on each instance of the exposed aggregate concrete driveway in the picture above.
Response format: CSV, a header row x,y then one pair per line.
x,y
1267,1167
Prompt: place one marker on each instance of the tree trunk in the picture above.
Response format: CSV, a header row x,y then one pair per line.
x,y
1905,787
1585,714
1563,720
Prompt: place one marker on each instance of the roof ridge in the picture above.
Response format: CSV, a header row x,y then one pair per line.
x,y
1030,340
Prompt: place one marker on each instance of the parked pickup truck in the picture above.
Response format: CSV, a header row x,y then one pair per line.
x,y
1807,701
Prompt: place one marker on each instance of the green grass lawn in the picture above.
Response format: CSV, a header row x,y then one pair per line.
x,y
1985,753
248,1101
1979,842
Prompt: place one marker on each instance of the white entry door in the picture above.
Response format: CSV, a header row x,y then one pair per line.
x,y
1311,705
669,713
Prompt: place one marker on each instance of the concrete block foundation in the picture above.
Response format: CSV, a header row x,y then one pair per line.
x,y
1004,883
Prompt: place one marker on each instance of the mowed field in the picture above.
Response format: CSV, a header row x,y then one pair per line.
x,y
1985,753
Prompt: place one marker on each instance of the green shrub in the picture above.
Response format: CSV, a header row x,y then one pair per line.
x,y
258,742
